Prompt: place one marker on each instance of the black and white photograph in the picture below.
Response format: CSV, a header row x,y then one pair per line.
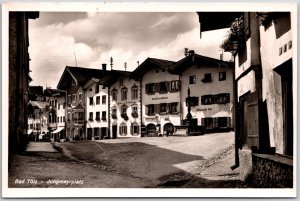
x,y
149,99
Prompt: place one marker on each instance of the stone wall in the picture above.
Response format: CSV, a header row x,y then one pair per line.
x,y
272,171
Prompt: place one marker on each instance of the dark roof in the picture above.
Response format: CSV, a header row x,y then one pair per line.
x,y
36,90
113,76
148,64
82,75
51,92
216,20
190,60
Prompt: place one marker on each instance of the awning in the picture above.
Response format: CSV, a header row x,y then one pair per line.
x,y
58,130
29,131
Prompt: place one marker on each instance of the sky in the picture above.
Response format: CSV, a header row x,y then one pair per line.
x,y
60,39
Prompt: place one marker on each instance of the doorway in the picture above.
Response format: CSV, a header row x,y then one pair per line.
x,y
114,131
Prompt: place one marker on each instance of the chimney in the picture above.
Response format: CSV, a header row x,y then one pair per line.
x,y
104,67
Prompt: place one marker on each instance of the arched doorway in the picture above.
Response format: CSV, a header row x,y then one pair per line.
x,y
151,129
169,129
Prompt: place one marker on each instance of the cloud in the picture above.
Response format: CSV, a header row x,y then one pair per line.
x,y
127,37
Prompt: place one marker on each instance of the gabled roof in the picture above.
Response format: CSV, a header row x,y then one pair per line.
x,y
148,64
52,92
192,59
113,76
80,75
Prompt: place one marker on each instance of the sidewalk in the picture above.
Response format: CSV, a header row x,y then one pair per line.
x,y
40,147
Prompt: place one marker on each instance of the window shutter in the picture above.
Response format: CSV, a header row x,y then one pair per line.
x,y
178,107
156,87
168,84
156,108
252,120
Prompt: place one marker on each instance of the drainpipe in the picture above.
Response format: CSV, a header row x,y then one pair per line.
x,y
108,111
236,119
141,106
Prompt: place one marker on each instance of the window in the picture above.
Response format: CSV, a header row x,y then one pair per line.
x,y
174,107
150,109
97,100
61,119
91,101
104,99
64,105
121,82
64,119
163,108
193,101
74,97
192,79
91,116
124,109
215,99
80,96
149,88
163,87
69,116
69,98
114,113
58,106
123,130
124,94
57,119
80,116
222,76
97,88
134,92
134,111
103,115
207,77
175,85
31,126
97,116
134,129
114,95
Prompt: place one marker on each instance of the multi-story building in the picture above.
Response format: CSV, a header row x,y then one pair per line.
x,y
262,43
210,82
56,99
72,81
38,119
124,104
160,93
18,78
96,98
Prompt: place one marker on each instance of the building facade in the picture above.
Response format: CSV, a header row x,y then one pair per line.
x,y
160,93
18,78
210,83
124,104
96,99
73,81
262,44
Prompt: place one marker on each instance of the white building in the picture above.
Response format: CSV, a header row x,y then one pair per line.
x,y
211,91
124,104
96,98
160,96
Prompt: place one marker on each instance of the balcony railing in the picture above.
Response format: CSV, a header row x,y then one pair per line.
x,y
134,114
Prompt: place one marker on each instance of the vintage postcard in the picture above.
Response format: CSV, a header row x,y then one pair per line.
x,y
149,99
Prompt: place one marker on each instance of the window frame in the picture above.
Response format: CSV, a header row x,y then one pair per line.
x,y
192,79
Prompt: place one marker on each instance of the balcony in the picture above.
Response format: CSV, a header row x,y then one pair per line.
x,y
124,116
134,114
